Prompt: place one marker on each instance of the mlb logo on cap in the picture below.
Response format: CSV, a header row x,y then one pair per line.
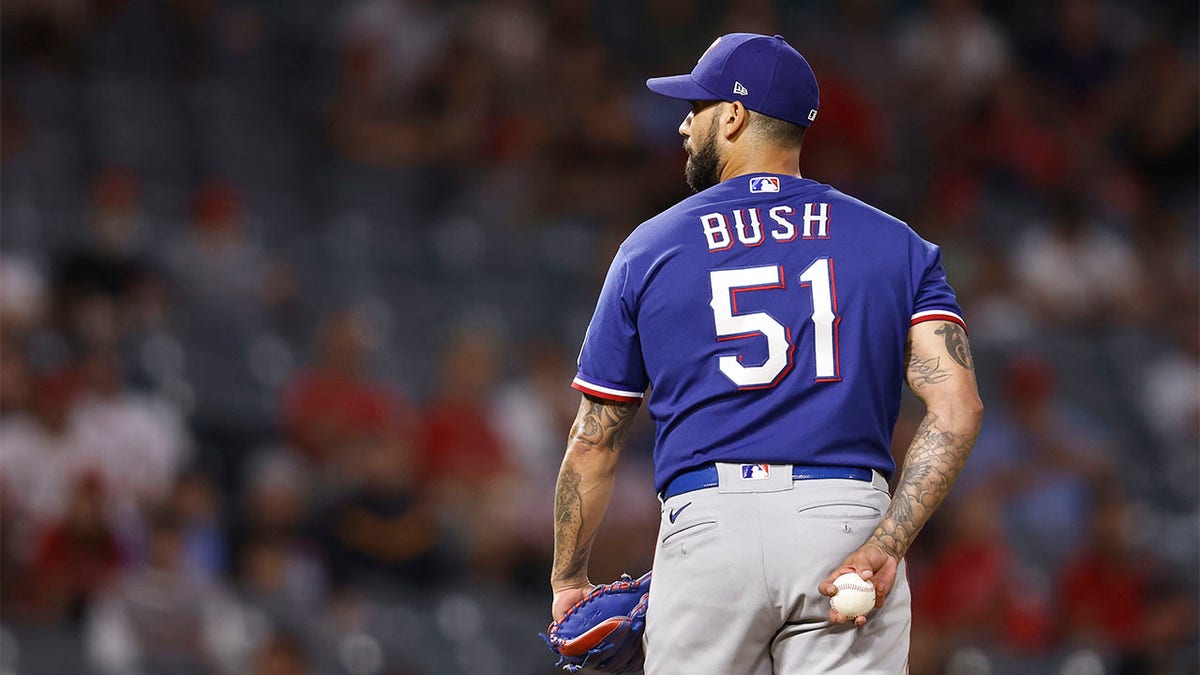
x,y
764,184
755,471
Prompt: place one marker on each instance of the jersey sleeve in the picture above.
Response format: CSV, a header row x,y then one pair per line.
x,y
935,299
610,363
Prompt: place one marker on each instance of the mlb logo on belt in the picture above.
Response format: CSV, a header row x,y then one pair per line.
x,y
764,184
755,471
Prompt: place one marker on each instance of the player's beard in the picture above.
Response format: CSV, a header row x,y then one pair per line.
x,y
703,168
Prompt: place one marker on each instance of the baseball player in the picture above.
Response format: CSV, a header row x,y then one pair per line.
x,y
770,320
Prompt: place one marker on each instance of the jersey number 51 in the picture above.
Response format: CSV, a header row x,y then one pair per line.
x,y
730,325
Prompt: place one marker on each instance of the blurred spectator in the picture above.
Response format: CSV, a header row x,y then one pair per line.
x,y
14,378
1044,461
269,587
43,452
420,100
1171,393
105,286
854,144
1158,120
275,513
1075,272
999,318
512,36
1079,58
219,271
385,532
970,592
954,52
281,654
162,619
460,445
1025,136
75,558
22,296
1121,599
394,41
532,412
1116,617
334,407
198,504
138,442
229,292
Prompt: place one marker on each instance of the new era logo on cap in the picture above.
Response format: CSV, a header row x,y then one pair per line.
x,y
739,89
764,184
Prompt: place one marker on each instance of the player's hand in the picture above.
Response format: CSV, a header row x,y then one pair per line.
x,y
871,563
565,598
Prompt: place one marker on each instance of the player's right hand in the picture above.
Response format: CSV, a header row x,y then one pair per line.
x,y
871,563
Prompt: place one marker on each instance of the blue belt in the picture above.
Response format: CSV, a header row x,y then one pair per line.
x,y
706,477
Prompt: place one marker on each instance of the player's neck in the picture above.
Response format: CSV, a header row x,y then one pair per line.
x,y
783,162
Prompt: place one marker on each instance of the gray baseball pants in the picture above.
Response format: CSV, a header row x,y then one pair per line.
x,y
736,572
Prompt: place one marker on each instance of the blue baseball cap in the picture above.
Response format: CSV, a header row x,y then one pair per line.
x,y
765,73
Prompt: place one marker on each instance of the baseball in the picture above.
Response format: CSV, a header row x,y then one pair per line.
x,y
855,596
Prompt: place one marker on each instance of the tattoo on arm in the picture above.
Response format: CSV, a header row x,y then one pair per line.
x,y
923,371
934,460
570,555
603,424
598,433
956,344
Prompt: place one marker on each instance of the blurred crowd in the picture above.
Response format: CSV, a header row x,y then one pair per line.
x,y
290,294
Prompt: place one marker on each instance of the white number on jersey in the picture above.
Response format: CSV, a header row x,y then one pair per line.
x,y
730,325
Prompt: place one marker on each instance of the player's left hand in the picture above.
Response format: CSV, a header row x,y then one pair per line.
x,y
566,598
871,563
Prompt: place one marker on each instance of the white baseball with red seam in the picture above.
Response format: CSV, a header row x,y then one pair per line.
x,y
855,596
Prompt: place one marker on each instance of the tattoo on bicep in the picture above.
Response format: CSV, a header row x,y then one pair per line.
x,y
956,344
925,371
934,460
603,424
570,555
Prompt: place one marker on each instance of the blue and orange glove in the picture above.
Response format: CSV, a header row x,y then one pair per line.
x,y
603,631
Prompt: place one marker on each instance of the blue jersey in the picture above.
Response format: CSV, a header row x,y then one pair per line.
x,y
767,317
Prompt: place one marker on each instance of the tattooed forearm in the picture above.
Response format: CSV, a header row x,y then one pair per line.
x,y
934,460
956,344
570,557
923,371
602,424
585,484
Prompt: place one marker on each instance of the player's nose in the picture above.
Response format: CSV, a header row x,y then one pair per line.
x,y
685,127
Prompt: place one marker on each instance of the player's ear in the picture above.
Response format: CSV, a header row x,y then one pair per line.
x,y
734,119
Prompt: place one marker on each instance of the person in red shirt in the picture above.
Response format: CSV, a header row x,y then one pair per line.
x,y
75,557
1117,616
459,441
333,406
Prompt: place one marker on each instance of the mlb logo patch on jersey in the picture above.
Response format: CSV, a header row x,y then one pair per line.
x,y
764,184
755,471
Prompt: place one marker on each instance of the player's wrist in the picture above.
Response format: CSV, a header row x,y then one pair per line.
x,y
888,546
561,585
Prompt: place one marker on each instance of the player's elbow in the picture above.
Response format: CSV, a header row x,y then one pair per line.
x,y
963,412
599,459
969,413
974,411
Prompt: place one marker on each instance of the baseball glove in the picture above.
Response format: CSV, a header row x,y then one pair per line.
x,y
603,631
